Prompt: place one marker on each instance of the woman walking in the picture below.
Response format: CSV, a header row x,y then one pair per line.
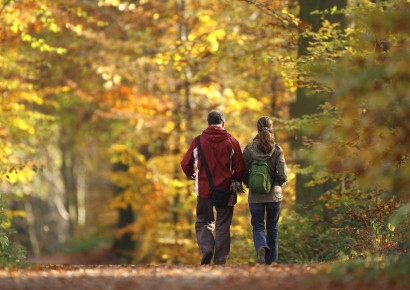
x,y
264,148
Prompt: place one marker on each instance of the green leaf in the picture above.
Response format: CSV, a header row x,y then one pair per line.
x,y
401,215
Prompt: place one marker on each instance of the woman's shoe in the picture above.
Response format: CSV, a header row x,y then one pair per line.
x,y
261,255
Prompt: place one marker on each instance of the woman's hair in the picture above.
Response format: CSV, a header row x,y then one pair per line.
x,y
266,139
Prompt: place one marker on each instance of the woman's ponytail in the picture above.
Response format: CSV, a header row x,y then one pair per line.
x,y
266,139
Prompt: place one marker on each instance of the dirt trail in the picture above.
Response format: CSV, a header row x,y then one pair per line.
x,y
157,277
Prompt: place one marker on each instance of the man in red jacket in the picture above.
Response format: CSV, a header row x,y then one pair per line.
x,y
223,155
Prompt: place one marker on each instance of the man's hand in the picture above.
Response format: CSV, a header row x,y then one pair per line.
x,y
237,187
193,176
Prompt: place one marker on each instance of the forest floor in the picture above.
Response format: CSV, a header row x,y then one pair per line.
x,y
67,272
156,277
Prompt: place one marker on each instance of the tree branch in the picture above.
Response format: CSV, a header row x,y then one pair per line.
x,y
285,19
4,5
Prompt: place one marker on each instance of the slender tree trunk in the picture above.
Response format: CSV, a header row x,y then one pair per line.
x,y
184,104
70,184
32,233
183,96
278,90
125,245
81,192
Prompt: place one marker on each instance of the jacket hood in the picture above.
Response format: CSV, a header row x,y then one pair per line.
x,y
257,153
215,134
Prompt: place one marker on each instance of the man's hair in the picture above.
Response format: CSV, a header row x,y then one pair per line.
x,y
216,117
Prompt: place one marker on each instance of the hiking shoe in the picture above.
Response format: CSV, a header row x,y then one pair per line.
x,y
261,255
206,258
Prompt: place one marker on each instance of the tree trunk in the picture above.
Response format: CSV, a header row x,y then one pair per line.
x,y
70,184
125,245
32,232
307,102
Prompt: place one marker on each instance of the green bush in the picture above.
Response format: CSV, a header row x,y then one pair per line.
x,y
307,238
11,254
389,268
352,224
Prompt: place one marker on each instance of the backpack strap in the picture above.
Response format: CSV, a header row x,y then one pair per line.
x,y
208,174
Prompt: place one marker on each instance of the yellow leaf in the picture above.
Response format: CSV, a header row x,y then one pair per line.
x,y
214,38
169,126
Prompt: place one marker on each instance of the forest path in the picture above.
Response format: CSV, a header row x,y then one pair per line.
x,y
157,277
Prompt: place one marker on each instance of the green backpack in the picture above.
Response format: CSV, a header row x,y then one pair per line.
x,y
260,179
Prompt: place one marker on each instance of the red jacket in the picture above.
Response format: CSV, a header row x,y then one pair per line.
x,y
224,158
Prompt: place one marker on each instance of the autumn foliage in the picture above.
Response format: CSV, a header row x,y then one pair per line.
x,y
99,100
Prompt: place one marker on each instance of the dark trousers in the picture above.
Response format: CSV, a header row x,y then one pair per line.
x,y
266,236
205,225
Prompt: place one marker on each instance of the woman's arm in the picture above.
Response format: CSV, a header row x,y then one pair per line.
x,y
281,168
247,157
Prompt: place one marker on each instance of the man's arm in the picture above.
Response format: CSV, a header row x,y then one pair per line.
x,y
238,164
187,163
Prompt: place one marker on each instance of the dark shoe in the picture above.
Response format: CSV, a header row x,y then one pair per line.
x,y
206,258
261,255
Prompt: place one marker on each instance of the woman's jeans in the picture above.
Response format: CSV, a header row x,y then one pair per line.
x,y
266,237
